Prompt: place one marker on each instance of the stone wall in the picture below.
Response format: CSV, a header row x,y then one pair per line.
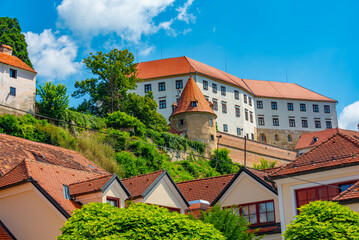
x,y
254,151
282,139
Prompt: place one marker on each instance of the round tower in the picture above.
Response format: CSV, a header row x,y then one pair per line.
x,y
193,116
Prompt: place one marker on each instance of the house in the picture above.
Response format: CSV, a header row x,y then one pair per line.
x,y
308,141
328,172
157,188
272,112
248,192
17,83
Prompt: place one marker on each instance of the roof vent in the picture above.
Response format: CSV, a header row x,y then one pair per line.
x,y
315,139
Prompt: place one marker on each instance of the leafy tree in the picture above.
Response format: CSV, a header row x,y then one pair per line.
x,y
115,74
324,220
121,120
264,164
54,99
138,221
10,34
145,109
224,165
232,225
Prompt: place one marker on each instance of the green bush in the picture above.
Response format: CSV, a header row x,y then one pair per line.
x,y
324,220
224,165
82,119
264,164
138,221
121,120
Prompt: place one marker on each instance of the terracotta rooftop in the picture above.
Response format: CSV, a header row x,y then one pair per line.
x,y
5,234
137,185
351,193
306,140
48,176
267,230
337,151
204,189
192,93
88,186
14,61
13,150
185,65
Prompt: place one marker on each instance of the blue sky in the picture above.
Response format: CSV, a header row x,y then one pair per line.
x,y
315,42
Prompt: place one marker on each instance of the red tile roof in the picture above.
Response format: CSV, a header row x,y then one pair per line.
x,y
306,139
185,65
5,234
338,151
351,193
191,93
14,61
267,230
137,185
88,186
204,189
13,150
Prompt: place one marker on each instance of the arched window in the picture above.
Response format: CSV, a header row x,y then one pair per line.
x,y
289,138
263,137
276,137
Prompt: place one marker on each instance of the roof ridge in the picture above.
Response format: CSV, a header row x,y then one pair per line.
x,y
92,179
207,178
141,175
350,138
314,92
15,167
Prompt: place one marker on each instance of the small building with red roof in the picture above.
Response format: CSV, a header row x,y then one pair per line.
x,y
18,83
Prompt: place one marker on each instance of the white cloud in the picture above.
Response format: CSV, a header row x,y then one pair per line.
x,y
349,117
183,14
53,56
188,30
146,51
129,19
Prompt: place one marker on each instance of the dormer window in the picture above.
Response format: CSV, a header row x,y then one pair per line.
x,y
315,139
194,103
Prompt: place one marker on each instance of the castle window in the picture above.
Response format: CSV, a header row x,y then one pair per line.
x,y
275,122
302,107
238,131
245,98
161,86
13,73
326,108
276,137
317,124
238,111
214,88
261,121
251,116
162,104
225,128
315,108
263,137
212,137
289,138
211,122
179,84
12,91
236,94
329,124
274,106
180,122
223,91
304,123
290,107
148,88
260,104
194,103
291,122
215,104
250,101
205,85
246,114
224,107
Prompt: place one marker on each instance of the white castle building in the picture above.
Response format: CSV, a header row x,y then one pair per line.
x,y
272,112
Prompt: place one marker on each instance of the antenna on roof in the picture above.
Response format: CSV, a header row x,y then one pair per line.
x,y
286,75
225,64
161,52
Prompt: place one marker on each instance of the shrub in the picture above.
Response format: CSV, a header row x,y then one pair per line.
x,y
324,220
54,99
138,221
121,120
264,164
224,165
82,119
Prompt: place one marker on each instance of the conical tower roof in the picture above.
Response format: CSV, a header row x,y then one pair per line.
x,y
191,93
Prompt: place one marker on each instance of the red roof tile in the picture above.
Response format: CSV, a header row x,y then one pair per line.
x,y
191,93
137,185
5,234
351,193
88,186
204,189
185,65
306,139
13,150
14,61
267,230
18,174
337,151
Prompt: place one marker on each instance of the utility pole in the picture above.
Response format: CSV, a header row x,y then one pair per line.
x,y
218,137
245,151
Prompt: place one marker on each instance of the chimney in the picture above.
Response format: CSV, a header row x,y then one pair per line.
x,y
6,49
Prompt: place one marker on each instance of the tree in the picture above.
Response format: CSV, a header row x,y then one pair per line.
x,y
138,221
324,220
115,74
10,34
145,109
232,225
264,164
121,120
224,165
54,99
